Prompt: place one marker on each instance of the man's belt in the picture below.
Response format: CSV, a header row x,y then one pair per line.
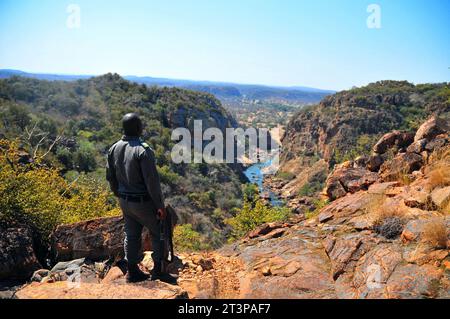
x,y
135,198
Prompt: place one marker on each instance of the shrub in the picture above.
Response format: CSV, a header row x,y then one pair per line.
x,y
251,191
202,200
435,233
185,238
439,175
253,214
41,198
310,188
84,157
388,220
287,176
318,205
167,176
390,227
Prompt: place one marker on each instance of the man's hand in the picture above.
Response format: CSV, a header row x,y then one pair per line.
x,y
161,213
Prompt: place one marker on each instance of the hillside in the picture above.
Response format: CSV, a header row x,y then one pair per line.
x,y
345,125
83,118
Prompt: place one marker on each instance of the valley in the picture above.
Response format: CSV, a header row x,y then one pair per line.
x,y
361,198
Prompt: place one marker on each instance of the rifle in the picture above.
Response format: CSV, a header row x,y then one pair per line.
x,y
166,237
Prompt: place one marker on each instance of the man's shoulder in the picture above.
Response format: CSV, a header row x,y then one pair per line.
x,y
146,147
112,147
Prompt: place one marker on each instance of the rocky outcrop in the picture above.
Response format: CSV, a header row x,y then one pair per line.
x,y
291,266
350,121
388,237
17,257
406,165
346,178
402,164
70,290
97,240
396,138
432,128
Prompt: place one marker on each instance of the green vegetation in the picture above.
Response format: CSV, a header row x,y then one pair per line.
x,y
287,176
66,129
318,204
254,213
186,239
363,146
42,199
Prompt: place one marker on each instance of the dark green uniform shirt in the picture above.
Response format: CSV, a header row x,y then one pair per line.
x,y
131,170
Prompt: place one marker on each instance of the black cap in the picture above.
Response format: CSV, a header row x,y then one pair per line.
x,y
132,124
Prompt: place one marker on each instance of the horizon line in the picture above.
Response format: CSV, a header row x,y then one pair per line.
x,y
214,82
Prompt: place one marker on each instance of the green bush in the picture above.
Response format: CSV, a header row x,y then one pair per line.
x,y
318,204
250,191
253,214
42,199
309,189
286,175
167,176
185,238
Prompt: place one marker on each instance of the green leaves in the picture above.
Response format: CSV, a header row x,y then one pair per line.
x,y
255,213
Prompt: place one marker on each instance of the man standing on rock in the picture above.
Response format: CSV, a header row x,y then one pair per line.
x,y
133,178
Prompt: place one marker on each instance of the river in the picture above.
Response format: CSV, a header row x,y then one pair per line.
x,y
255,175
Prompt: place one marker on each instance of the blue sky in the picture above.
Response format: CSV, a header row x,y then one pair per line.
x,y
321,43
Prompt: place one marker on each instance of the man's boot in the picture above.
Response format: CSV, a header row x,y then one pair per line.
x,y
134,274
157,274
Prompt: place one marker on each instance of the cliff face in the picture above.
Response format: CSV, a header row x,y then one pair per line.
x,y
346,125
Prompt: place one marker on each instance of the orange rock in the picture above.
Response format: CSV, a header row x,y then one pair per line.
x,y
446,264
113,274
65,290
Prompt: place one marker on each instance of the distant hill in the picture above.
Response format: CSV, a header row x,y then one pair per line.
x,y
222,90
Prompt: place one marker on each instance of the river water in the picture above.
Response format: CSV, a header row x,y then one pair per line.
x,y
255,175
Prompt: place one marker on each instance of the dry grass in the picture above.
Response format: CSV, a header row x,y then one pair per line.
x,y
439,175
435,233
388,219
386,211
438,171
440,155
404,177
445,208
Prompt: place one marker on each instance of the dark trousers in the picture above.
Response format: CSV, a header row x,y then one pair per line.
x,y
138,215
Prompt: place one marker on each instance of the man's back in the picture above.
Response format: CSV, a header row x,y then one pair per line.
x,y
125,157
131,170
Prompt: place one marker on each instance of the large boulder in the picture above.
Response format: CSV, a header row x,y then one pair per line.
x,y
96,239
291,266
413,281
441,196
395,138
417,147
402,164
431,128
347,207
17,257
346,179
374,162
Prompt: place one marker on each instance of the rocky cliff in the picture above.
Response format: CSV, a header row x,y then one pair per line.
x,y
345,125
